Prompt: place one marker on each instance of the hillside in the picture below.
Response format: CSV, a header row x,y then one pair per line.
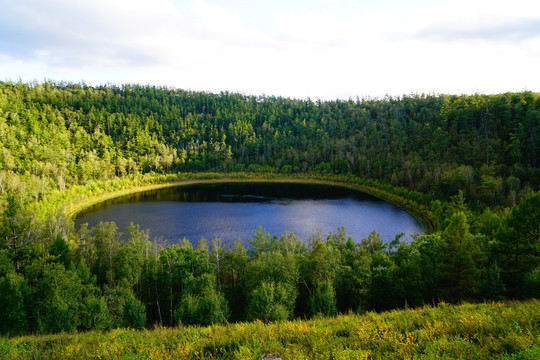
x,y
483,331
54,135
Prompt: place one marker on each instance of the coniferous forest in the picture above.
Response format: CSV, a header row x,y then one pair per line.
x,y
469,164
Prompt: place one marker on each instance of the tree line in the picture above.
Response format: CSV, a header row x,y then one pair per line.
x,y
56,134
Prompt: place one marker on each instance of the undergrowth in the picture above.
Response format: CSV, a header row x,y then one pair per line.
x,y
496,330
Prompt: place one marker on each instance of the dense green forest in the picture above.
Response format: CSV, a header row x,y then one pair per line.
x,y
471,162
55,134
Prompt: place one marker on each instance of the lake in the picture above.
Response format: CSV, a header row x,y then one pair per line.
x,y
234,210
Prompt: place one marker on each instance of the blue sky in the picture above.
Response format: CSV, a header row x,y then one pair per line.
x,y
319,48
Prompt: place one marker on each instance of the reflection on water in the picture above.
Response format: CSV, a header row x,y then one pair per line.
x,y
235,210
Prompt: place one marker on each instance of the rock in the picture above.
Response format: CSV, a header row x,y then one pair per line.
x,y
271,357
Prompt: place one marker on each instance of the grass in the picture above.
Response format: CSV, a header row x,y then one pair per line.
x,y
468,331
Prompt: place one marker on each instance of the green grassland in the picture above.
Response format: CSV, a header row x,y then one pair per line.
x,y
497,330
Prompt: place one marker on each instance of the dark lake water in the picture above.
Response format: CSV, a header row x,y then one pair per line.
x,y
235,210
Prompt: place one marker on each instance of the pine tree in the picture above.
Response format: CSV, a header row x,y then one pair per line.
x,y
518,242
458,271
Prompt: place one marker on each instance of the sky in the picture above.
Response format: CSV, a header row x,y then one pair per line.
x,y
321,49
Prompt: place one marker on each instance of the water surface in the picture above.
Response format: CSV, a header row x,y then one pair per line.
x,y
235,210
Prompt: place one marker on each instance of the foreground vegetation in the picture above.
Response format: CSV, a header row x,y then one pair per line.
x,y
484,331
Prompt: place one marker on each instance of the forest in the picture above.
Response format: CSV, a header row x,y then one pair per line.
x,y
469,162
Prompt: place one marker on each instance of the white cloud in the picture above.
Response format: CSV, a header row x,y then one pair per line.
x,y
319,29
309,48
492,20
219,25
87,33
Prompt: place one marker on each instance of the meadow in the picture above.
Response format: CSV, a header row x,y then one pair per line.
x,y
496,330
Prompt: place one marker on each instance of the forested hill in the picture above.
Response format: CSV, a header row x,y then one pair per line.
x,y
56,134
470,162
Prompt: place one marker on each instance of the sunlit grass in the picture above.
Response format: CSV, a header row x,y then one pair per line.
x,y
469,331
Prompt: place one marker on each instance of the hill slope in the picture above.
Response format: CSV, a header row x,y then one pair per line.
x,y
484,331
53,135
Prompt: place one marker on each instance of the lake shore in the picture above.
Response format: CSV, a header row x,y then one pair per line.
x,y
77,205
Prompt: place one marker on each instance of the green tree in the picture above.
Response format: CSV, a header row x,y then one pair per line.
x,y
134,314
488,223
262,242
407,275
531,287
457,262
235,287
270,301
518,242
361,279
373,243
381,288
323,301
15,231
202,303
179,266
492,286
59,305
290,244
344,282
322,264
217,255
428,260
95,314
14,301
123,306
276,268
202,244
106,244
60,250
128,262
